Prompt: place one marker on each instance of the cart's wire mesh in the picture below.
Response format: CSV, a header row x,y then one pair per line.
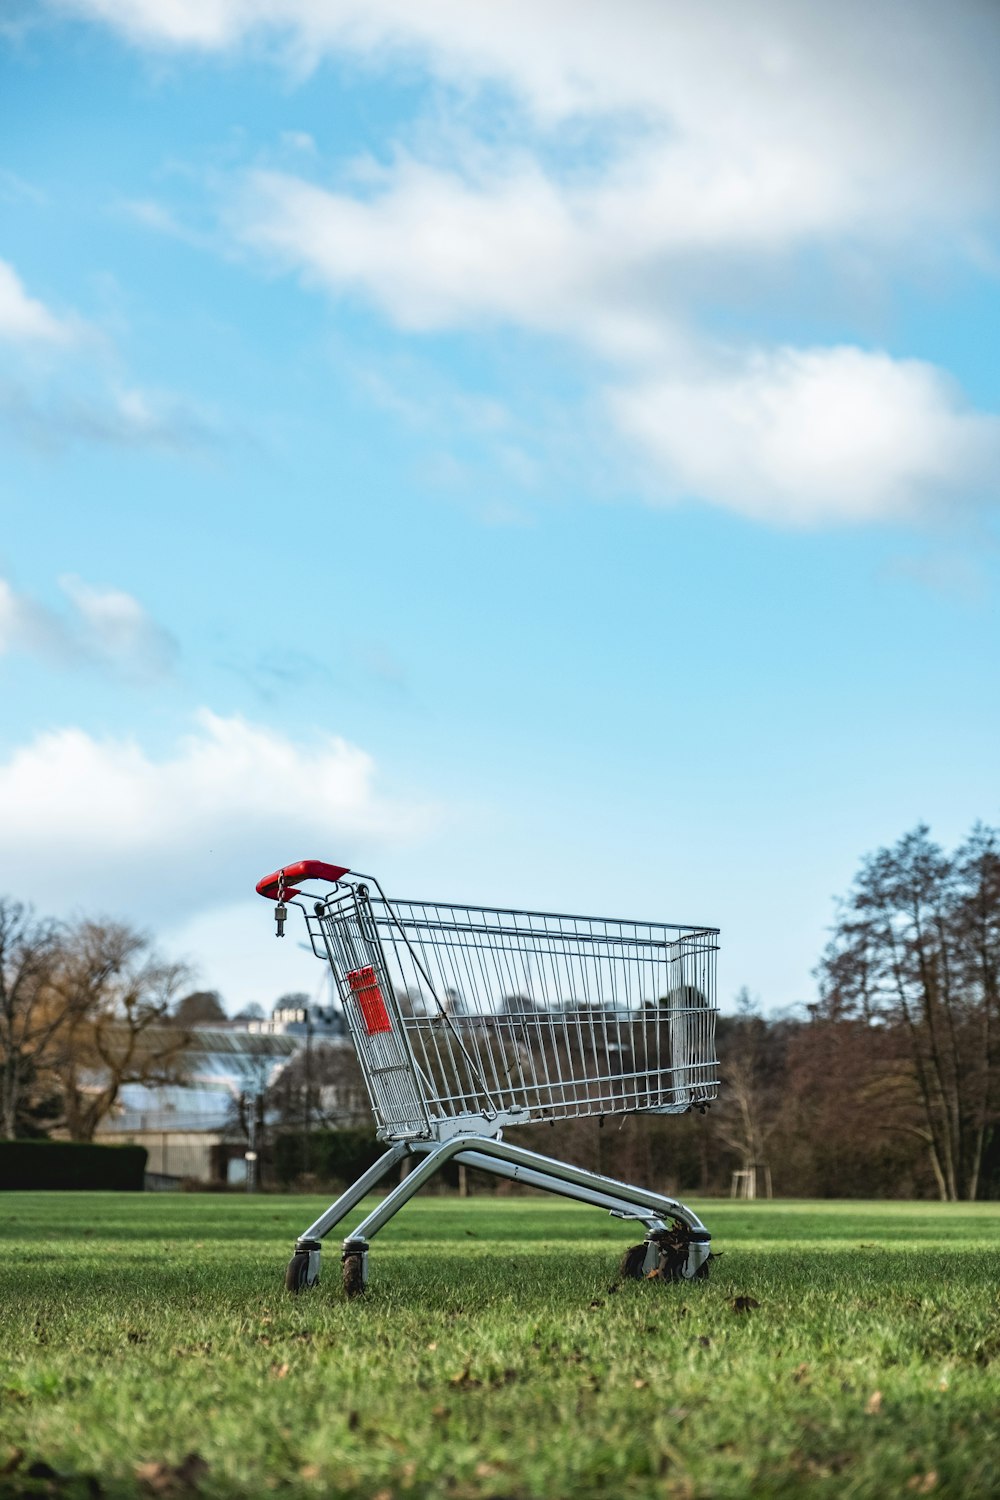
x,y
460,1011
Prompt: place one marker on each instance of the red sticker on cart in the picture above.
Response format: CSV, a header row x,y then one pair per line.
x,y
364,987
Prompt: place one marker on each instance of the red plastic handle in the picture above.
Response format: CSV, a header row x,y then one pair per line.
x,y
303,869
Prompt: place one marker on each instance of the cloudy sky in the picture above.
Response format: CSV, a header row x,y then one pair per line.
x,y
545,454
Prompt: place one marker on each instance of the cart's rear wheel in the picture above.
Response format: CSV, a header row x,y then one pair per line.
x,y
354,1274
632,1266
664,1256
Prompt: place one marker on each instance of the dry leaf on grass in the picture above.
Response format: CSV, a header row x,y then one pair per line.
x,y
874,1404
922,1484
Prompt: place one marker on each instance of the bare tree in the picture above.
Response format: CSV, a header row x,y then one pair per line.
x,y
320,1086
116,993
746,1114
917,945
30,1011
976,927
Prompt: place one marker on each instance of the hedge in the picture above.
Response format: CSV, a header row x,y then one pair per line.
x,y
339,1157
71,1164
329,1155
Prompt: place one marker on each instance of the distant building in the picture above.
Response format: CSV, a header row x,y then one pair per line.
x,y
323,1023
192,1129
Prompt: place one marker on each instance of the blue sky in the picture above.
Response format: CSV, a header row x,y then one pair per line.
x,y
545,455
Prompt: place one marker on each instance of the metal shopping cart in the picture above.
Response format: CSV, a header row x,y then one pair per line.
x,y
467,1020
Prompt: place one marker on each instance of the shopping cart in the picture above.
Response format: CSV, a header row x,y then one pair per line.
x,y
467,1020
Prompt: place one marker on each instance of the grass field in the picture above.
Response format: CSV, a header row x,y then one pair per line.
x,y
490,1358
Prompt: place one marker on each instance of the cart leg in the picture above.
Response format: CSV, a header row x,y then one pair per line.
x,y
674,1251
414,1180
564,1172
304,1267
619,1205
504,1160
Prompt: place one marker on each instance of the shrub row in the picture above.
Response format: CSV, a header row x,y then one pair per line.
x,y
71,1164
334,1156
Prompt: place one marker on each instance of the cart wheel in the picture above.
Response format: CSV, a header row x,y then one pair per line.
x,y
297,1272
302,1270
631,1267
663,1257
354,1274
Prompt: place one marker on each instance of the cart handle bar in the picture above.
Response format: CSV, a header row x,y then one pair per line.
x,y
303,869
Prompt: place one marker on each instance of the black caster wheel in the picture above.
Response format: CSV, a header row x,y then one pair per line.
x,y
302,1270
632,1266
664,1256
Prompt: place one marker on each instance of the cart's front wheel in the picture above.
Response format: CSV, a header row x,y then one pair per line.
x,y
302,1270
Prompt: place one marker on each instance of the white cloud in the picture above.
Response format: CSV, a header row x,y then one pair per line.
x,y
642,151
75,395
859,108
433,251
805,436
27,625
104,628
117,631
25,320
8,615
56,409
793,436
103,825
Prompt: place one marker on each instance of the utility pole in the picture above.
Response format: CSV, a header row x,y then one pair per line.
x,y
253,1112
250,1155
307,1101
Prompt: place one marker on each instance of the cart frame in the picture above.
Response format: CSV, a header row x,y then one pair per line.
x,y
571,1019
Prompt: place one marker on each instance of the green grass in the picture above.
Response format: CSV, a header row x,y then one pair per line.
x,y
489,1358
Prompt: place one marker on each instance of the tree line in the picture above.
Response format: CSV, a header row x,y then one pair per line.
x,y
886,1084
